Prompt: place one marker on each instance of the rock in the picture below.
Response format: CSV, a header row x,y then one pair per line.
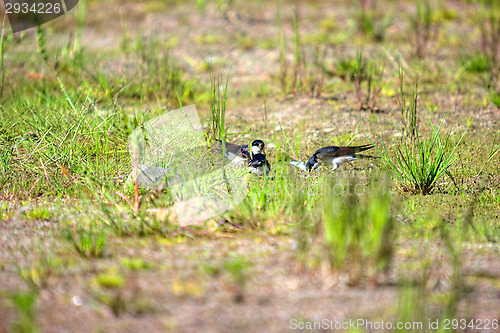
x,y
149,177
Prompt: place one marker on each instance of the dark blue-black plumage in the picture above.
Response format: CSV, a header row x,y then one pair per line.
x,y
335,155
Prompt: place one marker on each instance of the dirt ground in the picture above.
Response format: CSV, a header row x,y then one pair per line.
x,y
186,283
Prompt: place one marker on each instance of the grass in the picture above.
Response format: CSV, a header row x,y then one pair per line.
x,y
495,148
110,280
76,147
136,264
424,28
408,108
370,72
288,80
87,242
217,116
418,163
237,269
25,305
38,213
419,301
304,74
359,234
37,273
477,63
366,74
369,22
159,76
3,42
41,133
488,20
495,98
67,108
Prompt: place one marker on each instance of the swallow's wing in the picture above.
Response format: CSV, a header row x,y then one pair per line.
x,y
334,151
232,150
326,153
362,148
258,160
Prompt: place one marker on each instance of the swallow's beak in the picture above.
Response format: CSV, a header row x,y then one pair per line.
x,y
261,146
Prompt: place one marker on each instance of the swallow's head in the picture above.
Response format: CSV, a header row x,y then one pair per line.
x,y
312,164
257,147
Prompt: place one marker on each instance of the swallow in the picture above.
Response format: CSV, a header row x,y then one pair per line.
x,y
238,154
259,165
332,155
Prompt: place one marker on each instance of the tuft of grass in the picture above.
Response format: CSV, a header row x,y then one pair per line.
x,y
408,108
477,63
38,213
288,80
365,16
3,44
159,76
107,288
217,117
453,240
43,155
369,22
136,264
110,280
238,268
416,295
359,234
495,98
202,6
343,68
419,162
488,20
366,74
25,304
86,241
424,27
411,306
370,73
494,149
304,74
112,298
36,275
